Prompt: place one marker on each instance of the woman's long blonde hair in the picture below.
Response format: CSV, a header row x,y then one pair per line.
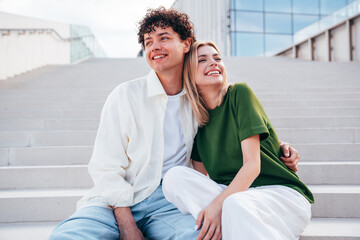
x,y
197,102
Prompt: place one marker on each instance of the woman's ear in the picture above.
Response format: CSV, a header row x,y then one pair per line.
x,y
187,43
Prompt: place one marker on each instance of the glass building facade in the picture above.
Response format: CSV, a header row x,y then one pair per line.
x,y
264,27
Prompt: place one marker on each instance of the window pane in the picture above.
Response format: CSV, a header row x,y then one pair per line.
x,y
278,6
306,6
233,43
249,44
276,42
277,23
329,6
232,20
249,21
255,5
232,4
301,21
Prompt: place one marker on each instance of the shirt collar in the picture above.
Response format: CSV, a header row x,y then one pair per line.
x,y
154,86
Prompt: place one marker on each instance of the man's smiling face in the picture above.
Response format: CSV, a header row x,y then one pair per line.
x,y
164,50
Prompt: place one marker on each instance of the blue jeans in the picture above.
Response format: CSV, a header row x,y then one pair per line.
x,y
155,217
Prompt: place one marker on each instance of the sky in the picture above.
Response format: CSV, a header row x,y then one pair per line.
x,y
113,22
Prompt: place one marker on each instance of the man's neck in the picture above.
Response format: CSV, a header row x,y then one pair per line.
x,y
171,82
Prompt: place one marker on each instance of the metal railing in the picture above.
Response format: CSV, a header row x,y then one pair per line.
x,y
83,42
21,31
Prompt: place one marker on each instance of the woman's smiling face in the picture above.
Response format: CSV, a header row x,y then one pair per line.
x,y
211,69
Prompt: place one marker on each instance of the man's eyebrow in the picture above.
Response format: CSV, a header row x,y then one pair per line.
x,y
163,33
160,34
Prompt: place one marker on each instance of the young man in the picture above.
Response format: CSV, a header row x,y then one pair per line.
x,y
147,127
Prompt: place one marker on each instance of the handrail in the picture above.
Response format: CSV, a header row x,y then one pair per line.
x,y
49,30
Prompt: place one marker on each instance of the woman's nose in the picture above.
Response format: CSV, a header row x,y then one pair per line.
x,y
213,63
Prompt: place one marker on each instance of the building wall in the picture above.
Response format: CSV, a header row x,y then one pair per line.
x,y
254,27
210,18
24,51
264,27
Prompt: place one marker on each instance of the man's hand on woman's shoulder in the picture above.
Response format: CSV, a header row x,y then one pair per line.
x,y
291,156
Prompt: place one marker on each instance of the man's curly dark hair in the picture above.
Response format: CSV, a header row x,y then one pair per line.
x,y
161,17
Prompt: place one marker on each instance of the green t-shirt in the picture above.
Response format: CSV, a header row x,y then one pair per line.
x,y
218,143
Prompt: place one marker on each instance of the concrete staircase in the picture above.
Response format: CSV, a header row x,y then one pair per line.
x,y
49,117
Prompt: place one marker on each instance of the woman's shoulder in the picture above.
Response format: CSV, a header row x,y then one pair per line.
x,y
240,89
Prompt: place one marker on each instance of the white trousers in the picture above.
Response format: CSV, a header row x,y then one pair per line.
x,y
268,212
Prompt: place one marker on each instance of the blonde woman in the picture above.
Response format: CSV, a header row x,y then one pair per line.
x,y
249,193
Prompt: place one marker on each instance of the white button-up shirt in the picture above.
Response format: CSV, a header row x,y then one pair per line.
x,y
127,159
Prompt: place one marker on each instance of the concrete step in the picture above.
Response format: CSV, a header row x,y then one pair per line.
x,y
20,99
27,230
55,94
94,113
52,114
84,104
314,122
49,124
48,106
73,155
47,138
332,229
312,111
311,103
92,124
318,229
329,173
66,176
31,205
38,205
329,151
52,97
87,138
70,176
334,201
319,135
301,96
44,156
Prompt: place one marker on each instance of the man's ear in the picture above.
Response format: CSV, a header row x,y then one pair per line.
x,y
187,43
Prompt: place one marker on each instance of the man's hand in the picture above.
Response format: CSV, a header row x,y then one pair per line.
x,y
127,225
291,158
210,219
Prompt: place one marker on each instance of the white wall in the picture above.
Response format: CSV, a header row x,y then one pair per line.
x,y
23,52
210,20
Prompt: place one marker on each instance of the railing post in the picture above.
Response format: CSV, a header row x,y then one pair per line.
x,y
349,40
328,45
294,51
311,50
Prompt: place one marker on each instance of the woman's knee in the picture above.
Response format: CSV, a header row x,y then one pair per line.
x,y
236,201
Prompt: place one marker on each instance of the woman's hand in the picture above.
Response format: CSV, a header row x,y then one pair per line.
x,y
210,219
